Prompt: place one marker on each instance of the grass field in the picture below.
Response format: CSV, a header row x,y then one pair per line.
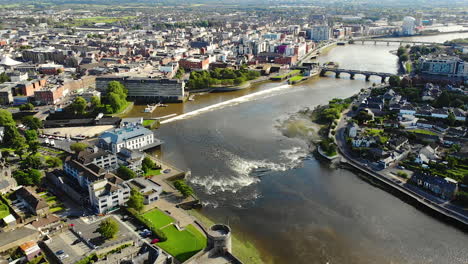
x,y
296,78
4,211
148,122
183,244
291,73
158,218
422,131
152,173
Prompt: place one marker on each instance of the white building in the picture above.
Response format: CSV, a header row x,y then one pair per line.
x,y
130,137
101,158
409,26
108,194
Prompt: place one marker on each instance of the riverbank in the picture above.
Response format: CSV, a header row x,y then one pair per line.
x,y
419,197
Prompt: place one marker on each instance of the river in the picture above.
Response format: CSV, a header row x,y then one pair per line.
x,y
253,173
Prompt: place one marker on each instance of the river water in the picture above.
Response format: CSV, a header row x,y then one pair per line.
x,y
253,170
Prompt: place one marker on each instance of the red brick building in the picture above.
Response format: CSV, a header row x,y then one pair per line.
x,y
195,63
28,88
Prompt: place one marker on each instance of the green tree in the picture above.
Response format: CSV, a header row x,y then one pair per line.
x,y
33,161
125,173
26,107
6,118
53,162
115,102
443,100
136,200
147,164
95,102
27,177
451,119
183,188
394,80
79,105
117,88
108,228
4,77
78,147
32,122
33,146
30,135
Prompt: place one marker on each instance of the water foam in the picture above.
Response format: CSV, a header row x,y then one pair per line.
x,y
245,172
231,102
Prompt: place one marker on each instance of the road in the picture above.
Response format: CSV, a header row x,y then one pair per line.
x,y
427,199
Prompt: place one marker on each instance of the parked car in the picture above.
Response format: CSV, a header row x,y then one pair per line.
x,y
60,252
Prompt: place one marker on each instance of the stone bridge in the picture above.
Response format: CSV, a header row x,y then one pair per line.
x,y
401,42
352,73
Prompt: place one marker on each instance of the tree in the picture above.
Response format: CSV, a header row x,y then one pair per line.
x,y
95,102
6,118
27,177
26,107
108,228
4,77
115,102
33,146
125,173
183,188
136,200
79,105
117,88
394,80
147,164
78,147
33,161
30,135
404,57
32,122
53,162
451,119
443,100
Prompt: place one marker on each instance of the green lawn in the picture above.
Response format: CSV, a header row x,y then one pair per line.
x,y
152,172
374,131
4,211
296,78
158,218
422,131
148,122
183,244
294,72
56,209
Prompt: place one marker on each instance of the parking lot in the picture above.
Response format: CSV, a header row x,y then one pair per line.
x,y
89,233
85,131
71,246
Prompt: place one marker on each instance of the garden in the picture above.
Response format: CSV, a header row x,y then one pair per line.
x,y
182,244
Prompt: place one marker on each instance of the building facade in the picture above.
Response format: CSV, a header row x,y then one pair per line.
x,y
146,88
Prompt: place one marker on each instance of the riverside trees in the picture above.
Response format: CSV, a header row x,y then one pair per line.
x,y
219,76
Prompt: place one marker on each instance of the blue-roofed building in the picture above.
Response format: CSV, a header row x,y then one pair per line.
x,y
131,137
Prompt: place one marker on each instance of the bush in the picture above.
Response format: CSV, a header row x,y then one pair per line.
x,y
183,188
402,174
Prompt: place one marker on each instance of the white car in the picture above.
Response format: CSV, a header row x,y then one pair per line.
x,y
64,256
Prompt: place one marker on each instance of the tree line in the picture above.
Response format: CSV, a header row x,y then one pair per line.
x,y
220,76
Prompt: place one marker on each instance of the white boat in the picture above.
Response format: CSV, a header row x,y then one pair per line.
x,y
191,97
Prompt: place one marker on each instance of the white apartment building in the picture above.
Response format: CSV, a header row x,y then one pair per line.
x,y
108,194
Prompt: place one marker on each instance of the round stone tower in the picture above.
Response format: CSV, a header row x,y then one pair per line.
x,y
220,235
